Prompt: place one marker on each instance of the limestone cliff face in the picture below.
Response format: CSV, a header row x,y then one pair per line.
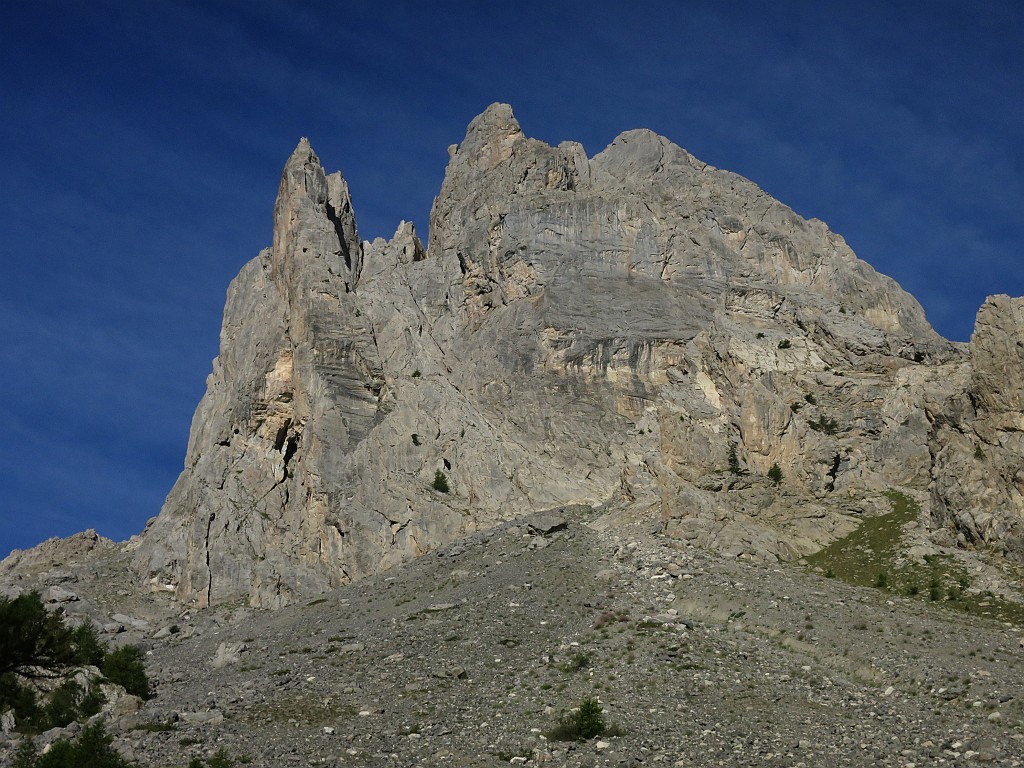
x,y
601,330
294,388
978,471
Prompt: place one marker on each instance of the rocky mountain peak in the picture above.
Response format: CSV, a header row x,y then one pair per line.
x,y
313,220
490,138
637,331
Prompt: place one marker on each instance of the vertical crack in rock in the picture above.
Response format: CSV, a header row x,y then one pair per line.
x,y
206,551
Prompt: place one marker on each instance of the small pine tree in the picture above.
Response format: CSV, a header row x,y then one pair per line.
x,y
32,638
734,460
440,482
589,718
124,666
584,723
775,474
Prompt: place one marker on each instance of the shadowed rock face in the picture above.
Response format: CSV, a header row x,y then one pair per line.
x,y
580,331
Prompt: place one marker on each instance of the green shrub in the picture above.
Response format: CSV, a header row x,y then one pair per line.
x,y
440,482
824,424
734,461
775,474
810,399
93,749
21,699
88,648
220,759
580,661
36,644
585,722
785,344
62,708
33,639
124,666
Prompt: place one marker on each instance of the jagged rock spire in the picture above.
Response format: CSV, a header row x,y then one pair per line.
x,y
313,219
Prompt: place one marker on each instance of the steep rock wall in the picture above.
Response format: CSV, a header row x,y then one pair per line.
x,y
606,330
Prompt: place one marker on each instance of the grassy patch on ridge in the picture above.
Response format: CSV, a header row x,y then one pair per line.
x,y
873,556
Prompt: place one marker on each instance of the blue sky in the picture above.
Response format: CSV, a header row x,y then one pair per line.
x,y
141,145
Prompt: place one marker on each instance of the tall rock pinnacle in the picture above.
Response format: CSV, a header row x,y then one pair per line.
x,y
295,384
313,220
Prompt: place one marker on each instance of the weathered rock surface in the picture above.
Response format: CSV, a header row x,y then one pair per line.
x,y
978,467
579,331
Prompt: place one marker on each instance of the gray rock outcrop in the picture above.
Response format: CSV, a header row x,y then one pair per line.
x,y
978,469
600,331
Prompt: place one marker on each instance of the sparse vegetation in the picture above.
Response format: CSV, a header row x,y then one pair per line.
x,y
39,658
734,461
124,666
219,759
508,755
785,344
583,723
92,749
824,424
874,551
609,617
775,474
440,483
579,662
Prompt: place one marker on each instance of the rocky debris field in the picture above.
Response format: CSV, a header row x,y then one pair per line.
x,y
469,656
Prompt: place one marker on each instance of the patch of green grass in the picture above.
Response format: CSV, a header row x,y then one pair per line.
x,y
303,711
873,556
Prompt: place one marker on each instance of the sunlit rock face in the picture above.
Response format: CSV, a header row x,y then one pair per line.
x,y
635,329
978,471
